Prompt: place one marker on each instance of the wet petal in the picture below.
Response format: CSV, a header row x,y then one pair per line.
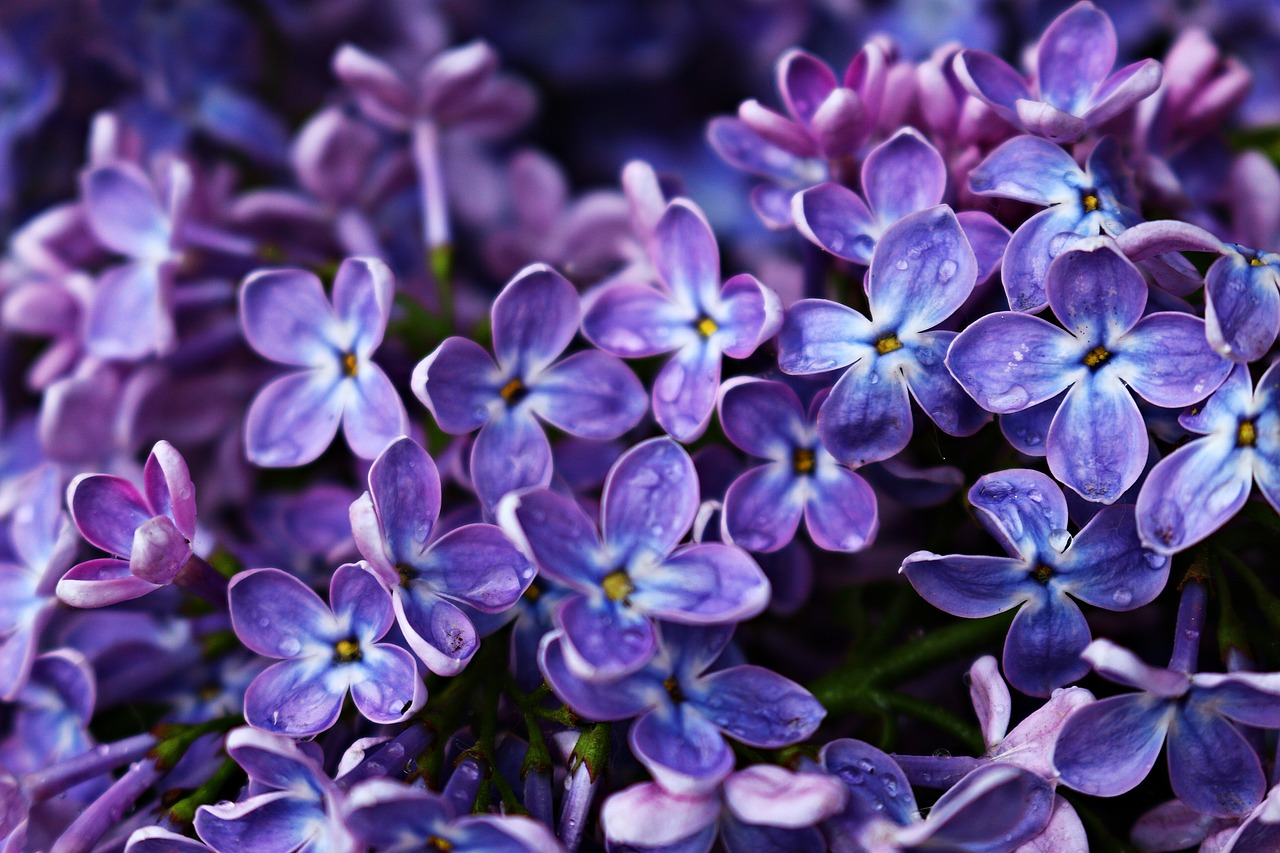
x,y
1028,169
1024,509
478,565
293,698
1192,492
867,417
1095,291
682,749
820,335
618,698
936,390
286,318
762,508
1212,767
1009,361
293,419
387,689
1098,441
275,821
1106,565
438,632
511,452
650,499
159,551
1107,748
558,533
833,217
534,318
841,513
969,586
603,639
757,707
636,320
1167,360
902,175
1033,247
277,615
701,584
922,270
1242,308
1027,428
1042,651
458,383
590,395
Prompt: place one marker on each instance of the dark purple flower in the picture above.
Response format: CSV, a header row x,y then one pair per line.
x,y
1097,443
325,652
429,577
685,709
693,315
1104,565
762,508
287,319
922,270
634,571
589,394
1074,87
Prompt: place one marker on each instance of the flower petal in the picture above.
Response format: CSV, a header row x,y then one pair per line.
x,y
534,318
360,602
936,390
1009,361
405,486
1042,651
902,175
1168,361
650,499
125,213
684,394
293,419
1212,767
647,816
762,508
1246,697
159,551
604,640
820,335
277,615
438,632
749,314
686,255
128,316
763,418
922,270
707,583
743,148
1106,565
591,395
682,750
1023,509
168,485
614,699
1098,441
362,292
867,416
556,531
1192,492
1107,748
107,510
805,81
294,698
1074,56
1033,247
841,513
636,320
388,689
1242,308
286,318
1095,291
99,583
510,452
991,701
374,414
757,707
478,565
1030,169
458,383
990,79
273,821
968,586
834,218
993,803
1123,89
768,795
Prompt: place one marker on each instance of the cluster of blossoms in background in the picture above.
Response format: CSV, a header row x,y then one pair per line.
x,y
367,485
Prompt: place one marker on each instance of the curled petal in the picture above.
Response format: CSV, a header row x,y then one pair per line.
x,y
438,632
992,80
603,640
741,147
682,749
703,584
834,218
768,795
647,816
1123,89
991,700
805,82
159,551
617,698
751,314
388,689
99,583
967,586
107,510
168,485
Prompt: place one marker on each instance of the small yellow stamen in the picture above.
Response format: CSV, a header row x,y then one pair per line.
x,y
438,844
706,327
802,460
1042,573
1247,434
346,651
887,344
349,364
1090,203
1257,262
617,585
511,390
1096,356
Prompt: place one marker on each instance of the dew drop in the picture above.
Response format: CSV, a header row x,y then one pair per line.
x,y
290,646
946,270
901,264
1154,560
1059,540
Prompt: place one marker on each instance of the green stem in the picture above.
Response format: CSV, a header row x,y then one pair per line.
x,y
176,739
928,712
591,749
183,812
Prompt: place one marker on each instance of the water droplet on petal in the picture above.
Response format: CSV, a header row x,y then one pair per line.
x,y
901,264
946,270
1059,540
290,646
1122,597
1154,560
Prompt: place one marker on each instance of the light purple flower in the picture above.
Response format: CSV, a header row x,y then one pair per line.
x,y
1097,442
325,652
693,314
634,571
430,576
287,319
588,394
1242,303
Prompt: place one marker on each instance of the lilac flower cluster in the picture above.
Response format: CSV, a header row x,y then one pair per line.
x,y
638,551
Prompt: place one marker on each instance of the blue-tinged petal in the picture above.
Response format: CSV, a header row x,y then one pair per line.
x,y
876,784
1242,308
459,383
591,395
1250,698
969,586
478,565
107,510
389,816
936,390
1074,56
374,414
1028,169
1023,509
1123,89
1261,831
636,320
124,212
603,639
1009,361
691,650
360,603
277,615
437,631
99,583
362,292
702,584
686,255
511,452
650,499
1106,565
128,316
612,699
1266,464
1110,746
902,175
1212,767
534,318
1118,664
841,513
805,82
286,318
1192,492
159,551
556,531
1095,291
922,270
996,807
756,706
294,418
385,684
820,335
833,217
987,237
1027,429
684,394
242,122
1166,359
1044,119
743,148
294,698
1098,441
993,81
772,204
762,508
867,416
681,749
648,817
405,486
1042,651
1033,247
748,314
274,821
1222,412
763,418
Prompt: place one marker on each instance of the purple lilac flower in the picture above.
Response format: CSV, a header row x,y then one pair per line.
x,y
153,531
684,708
1074,90
429,577
922,270
393,818
1108,747
827,120
293,804
634,571
759,808
49,715
589,394
288,320
1199,487
1097,442
1104,565
762,508
693,315
1241,303
325,652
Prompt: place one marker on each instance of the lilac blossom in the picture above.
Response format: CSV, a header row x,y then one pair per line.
x,y
1074,89
1097,442
293,804
685,707
1241,303
589,394
762,508
1104,565
693,314
431,577
325,652
634,571
1198,488
287,319
50,714
922,270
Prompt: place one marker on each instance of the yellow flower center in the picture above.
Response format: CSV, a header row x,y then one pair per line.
x,y
802,460
617,585
346,651
1247,434
1096,356
1090,202
349,364
887,344
438,844
1257,262
1042,573
512,391
706,326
